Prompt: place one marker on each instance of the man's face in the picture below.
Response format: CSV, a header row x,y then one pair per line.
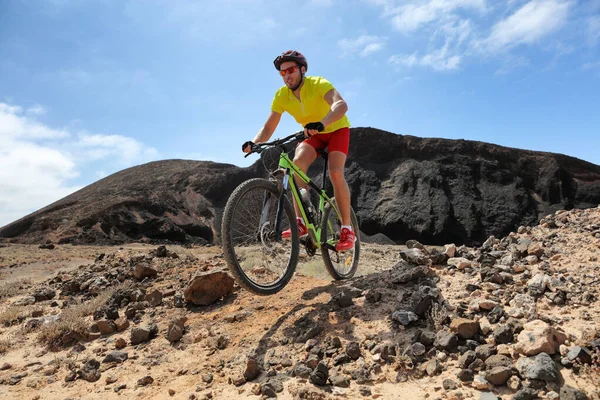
x,y
292,74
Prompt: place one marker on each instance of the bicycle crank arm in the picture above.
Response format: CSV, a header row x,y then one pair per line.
x,y
328,247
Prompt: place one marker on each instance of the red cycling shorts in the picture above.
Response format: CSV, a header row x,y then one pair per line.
x,y
335,141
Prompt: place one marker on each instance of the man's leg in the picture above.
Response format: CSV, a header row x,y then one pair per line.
x,y
337,161
305,155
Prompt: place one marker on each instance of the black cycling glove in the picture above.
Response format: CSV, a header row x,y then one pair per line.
x,y
315,125
248,143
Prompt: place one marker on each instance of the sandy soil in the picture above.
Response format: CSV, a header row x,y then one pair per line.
x,y
199,367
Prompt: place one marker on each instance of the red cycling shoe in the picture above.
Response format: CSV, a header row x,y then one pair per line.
x,y
347,239
302,230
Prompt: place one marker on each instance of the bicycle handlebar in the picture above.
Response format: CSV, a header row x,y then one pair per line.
x,y
259,147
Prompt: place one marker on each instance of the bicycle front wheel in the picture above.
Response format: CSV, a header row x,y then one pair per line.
x,y
340,265
261,262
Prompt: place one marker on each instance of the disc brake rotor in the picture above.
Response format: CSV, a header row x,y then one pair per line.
x,y
266,236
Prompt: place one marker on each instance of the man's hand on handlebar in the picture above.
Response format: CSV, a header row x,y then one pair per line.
x,y
247,146
250,147
313,128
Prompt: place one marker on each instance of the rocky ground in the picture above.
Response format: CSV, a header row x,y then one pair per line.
x,y
516,318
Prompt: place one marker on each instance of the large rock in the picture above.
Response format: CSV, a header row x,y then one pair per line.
x,y
208,287
143,334
538,284
570,393
523,305
143,270
498,375
459,262
116,357
498,360
90,371
464,328
415,256
539,337
540,367
403,272
446,340
252,369
176,329
422,299
320,375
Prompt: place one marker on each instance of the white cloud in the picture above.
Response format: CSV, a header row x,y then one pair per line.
x,y
456,30
14,125
413,16
124,149
512,63
404,60
36,110
37,162
439,60
443,26
31,175
459,30
363,46
528,25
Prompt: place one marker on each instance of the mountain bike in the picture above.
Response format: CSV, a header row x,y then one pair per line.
x,y
259,210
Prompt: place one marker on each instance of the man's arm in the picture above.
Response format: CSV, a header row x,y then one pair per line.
x,y
265,133
338,107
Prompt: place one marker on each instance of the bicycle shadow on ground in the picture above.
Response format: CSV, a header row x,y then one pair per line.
x,y
355,310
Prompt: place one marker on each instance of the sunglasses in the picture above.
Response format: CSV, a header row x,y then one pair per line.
x,y
289,70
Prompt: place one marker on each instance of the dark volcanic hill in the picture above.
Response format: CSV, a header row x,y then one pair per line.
x,y
173,200
433,190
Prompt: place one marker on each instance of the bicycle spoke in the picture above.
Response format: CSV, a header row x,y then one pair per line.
x,y
262,261
342,264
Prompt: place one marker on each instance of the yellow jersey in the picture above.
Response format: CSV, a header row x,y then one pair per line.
x,y
311,107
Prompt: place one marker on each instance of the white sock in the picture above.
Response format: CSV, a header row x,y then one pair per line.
x,y
349,227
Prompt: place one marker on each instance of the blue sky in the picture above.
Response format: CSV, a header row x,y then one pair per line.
x,y
89,87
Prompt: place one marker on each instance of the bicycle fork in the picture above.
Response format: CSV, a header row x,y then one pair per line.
x,y
280,209
264,217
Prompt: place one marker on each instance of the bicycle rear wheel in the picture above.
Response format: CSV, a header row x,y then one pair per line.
x,y
259,262
340,265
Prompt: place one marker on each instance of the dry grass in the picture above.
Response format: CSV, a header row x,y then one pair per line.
x,y
404,365
5,345
438,316
14,314
14,287
313,267
73,320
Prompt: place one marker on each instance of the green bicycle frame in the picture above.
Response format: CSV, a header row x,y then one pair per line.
x,y
292,169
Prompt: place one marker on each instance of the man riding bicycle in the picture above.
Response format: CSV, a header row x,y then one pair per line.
x,y
320,109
